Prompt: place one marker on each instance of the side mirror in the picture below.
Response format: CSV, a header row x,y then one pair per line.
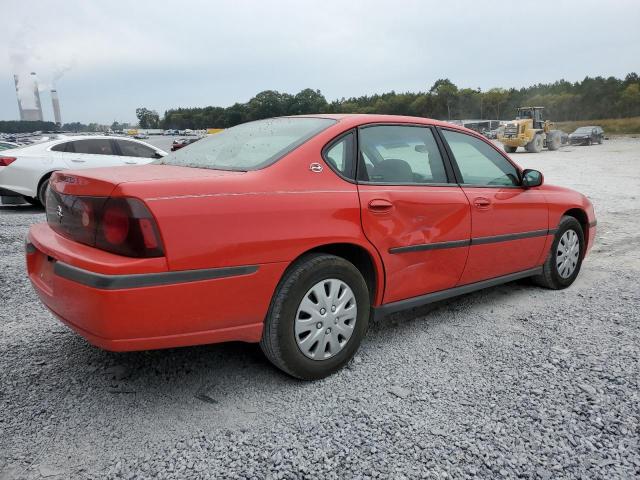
x,y
532,178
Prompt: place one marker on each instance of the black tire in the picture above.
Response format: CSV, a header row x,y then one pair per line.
x,y
278,337
589,142
42,191
510,149
553,140
535,145
550,277
32,200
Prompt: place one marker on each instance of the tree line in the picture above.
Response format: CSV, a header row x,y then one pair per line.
x,y
589,99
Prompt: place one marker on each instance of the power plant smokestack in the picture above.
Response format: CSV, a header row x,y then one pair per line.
x,y
28,98
36,94
17,82
55,101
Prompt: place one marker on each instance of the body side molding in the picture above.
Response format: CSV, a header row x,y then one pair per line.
x,y
113,282
384,310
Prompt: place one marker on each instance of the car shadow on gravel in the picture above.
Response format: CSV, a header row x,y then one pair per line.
x,y
207,374
20,209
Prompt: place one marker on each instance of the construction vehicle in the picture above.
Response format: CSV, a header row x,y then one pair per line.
x,y
530,131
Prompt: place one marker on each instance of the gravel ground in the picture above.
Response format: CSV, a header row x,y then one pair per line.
x,y
514,381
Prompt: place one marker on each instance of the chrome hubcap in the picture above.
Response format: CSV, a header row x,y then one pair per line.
x,y
325,319
567,253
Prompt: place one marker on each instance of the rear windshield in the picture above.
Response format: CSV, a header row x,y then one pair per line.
x,y
249,146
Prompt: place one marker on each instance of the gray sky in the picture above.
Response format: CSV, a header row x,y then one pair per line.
x,y
117,56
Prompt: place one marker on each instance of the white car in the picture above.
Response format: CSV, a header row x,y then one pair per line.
x,y
25,171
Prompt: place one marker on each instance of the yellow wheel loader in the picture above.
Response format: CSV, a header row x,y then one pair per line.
x,y
530,131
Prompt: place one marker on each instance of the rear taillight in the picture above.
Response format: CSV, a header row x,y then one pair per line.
x,y
119,225
6,161
128,228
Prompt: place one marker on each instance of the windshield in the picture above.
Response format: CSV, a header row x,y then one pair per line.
x,y
583,130
249,146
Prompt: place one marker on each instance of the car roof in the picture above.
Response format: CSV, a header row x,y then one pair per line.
x,y
364,118
35,147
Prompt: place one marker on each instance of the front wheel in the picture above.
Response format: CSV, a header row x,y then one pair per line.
x,y
318,316
535,145
510,149
565,258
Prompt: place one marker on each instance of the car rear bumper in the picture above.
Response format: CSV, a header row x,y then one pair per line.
x,y
150,310
578,141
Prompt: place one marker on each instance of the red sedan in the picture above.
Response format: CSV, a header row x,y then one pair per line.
x,y
294,232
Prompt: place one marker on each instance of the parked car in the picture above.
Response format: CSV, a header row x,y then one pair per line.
x,y
182,142
291,233
141,136
25,171
8,145
490,134
587,136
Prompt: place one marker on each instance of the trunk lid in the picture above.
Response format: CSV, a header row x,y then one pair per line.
x,y
103,181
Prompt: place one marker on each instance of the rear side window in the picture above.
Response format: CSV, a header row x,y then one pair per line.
x,y
339,155
95,146
61,147
478,162
391,154
249,146
133,149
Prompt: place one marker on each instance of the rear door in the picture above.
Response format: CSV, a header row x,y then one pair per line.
x,y
411,212
509,223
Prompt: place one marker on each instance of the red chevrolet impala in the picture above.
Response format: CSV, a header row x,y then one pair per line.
x,y
294,232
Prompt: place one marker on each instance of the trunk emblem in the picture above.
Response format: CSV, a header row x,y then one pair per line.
x,y
59,212
315,167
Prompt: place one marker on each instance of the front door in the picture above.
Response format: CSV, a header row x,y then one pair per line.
x,y
509,223
418,221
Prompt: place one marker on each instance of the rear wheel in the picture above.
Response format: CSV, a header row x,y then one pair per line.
x,y
318,316
535,145
565,258
42,191
510,149
32,200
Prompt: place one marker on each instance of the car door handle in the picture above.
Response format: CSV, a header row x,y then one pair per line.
x,y
76,160
131,163
482,202
379,205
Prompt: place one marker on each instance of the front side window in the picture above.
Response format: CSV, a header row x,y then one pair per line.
x,y
249,146
478,162
95,146
134,149
395,154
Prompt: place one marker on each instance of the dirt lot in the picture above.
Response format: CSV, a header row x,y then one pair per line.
x,y
515,381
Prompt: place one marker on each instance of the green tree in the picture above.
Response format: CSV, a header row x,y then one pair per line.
x,y
147,118
446,94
